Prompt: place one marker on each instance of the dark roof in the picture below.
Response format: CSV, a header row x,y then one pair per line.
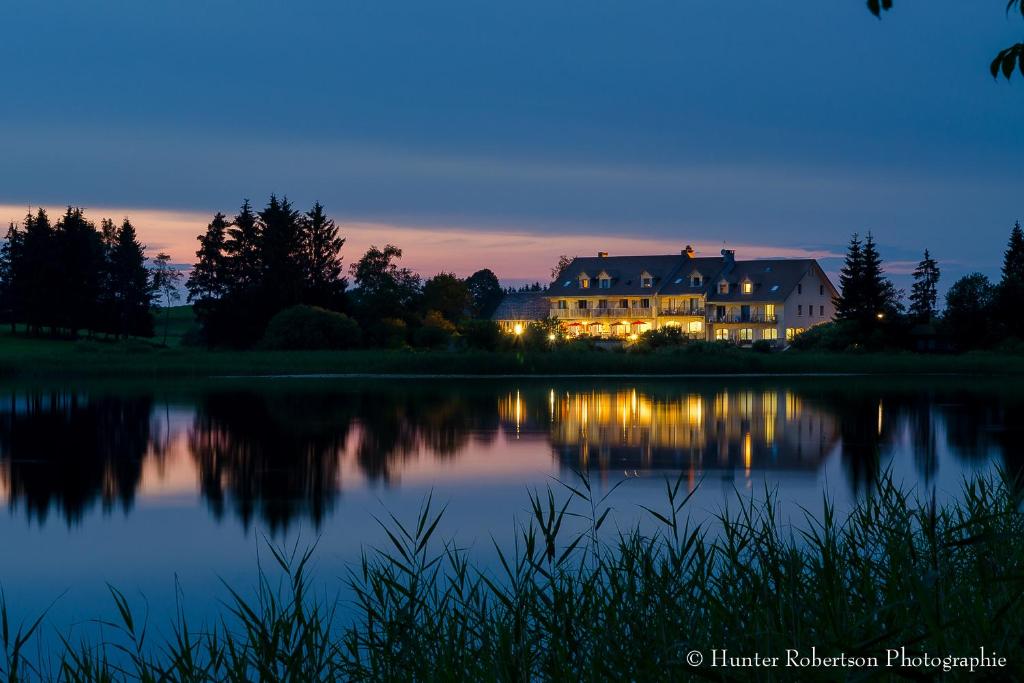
x,y
773,279
679,282
624,271
522,306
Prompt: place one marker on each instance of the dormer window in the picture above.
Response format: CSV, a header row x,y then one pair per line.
x,y
604,283
646,280
748,287
696,280
723,287
584,283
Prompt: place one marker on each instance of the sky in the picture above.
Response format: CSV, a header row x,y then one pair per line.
x,y
480,133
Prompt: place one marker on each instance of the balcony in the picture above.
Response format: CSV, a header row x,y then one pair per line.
x,y
698,312
738,318
591,313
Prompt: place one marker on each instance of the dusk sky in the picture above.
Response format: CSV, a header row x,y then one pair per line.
x,y
494,134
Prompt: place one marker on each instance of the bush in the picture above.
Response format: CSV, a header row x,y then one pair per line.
x,y
310,328
436,332
388,333
481,334
668,336
762,346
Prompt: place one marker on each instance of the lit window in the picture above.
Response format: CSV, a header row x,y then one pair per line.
x,y
769,311
770,333
722,334
584,283
790,333
746,334
695,327
748,287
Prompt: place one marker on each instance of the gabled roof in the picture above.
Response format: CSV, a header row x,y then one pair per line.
x,y
522,306
708,267
773,279
624,271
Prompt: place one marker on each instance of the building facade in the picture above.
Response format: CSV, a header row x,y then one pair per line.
x,y
719,298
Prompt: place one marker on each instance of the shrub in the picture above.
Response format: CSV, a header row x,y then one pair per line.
x,y
310,328
436,332
389,333
668,336
762,346
481,334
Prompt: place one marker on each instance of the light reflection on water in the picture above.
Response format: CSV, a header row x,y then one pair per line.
x,y
137,486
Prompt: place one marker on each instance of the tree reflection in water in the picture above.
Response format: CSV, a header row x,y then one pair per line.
x,y
273,455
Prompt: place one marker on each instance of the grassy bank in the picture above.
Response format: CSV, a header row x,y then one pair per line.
x,y
944,580
25,357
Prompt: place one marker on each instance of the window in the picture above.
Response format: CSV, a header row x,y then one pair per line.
x,y
799,289
623,303
646,282
792,332
567,283
821,290
695,281
799,310
769,312
770,333
722,334
584,283
695,327
723,287
748,287
821,311
645,303
746,334
774,288
581,304
563,304
602,303
604,283
678,280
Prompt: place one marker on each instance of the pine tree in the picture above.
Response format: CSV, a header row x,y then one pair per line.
x,y
79,279
210,277
281,276
924,293
130,288
1010,292
849,303
243,248
10,256
321,257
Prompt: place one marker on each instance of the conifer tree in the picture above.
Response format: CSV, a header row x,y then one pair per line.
x,y
209,277
1010,292
242,247
79,253
924,294
321,257
280,251
849,303
130,289
10,255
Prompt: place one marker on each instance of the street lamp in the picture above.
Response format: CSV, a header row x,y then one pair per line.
x,y
518,329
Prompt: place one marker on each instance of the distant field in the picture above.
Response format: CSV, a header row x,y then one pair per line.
x,y
25,357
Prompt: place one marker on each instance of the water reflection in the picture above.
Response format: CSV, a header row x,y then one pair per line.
x,y
274,453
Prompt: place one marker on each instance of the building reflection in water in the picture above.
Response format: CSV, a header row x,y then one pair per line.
x,y
286,454
629,429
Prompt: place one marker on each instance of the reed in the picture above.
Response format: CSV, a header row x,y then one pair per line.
x,y
593,604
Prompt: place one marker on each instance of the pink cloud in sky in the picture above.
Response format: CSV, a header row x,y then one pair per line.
x,y
514,255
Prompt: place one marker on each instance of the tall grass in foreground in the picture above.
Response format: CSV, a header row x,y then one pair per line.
x,y
898,571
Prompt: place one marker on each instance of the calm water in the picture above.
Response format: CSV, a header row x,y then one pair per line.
x,y
144,486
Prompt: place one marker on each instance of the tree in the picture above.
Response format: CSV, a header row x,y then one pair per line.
x,y
1010,292
1005,61
485,293
925,293
880,297
321,257
166,279
447,295
129,285
968,317
849,303
10,255
208,277
280,246
242,248
563,263
384,289
76,285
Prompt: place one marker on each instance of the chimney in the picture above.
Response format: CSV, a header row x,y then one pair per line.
x,y
688,252
602,254
729,255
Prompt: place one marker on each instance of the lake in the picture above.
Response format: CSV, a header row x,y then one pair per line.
x,y
168,488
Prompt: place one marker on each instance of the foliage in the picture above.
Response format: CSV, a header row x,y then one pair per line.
x,y
436,331
261,263
481,334
667,336
561,265
1005,61
388,333
574,599
924,293
867,298
305,327
1010,292
447,295
383,289
485,293
165,284
969,308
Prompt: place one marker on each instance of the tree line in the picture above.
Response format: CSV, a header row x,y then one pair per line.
x,y
276,278
871,312
67,276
